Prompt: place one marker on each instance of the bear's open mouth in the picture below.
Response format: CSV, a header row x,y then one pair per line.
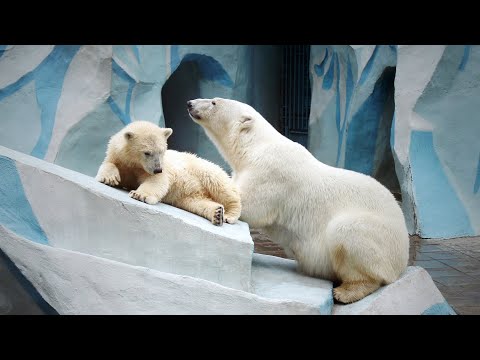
x,y
194,114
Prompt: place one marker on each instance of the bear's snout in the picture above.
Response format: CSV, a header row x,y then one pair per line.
x,y
193,112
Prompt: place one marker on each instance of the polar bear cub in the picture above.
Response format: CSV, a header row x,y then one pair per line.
x,y
137,159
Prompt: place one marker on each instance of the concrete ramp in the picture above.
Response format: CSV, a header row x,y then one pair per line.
x,y
73,211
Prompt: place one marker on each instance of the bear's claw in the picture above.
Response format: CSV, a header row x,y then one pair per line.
x,y
142,197
218,216
109,180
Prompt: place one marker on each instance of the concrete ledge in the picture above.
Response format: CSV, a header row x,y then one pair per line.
x,y
414,293
277,278
76,212
75,283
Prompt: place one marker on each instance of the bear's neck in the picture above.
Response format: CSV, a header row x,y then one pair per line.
x,y
240,150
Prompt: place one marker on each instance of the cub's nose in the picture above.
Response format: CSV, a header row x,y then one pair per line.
x,y
189,104
157,171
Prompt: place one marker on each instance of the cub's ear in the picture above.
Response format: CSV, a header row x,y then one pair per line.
x,y
246,120
168,132
128,135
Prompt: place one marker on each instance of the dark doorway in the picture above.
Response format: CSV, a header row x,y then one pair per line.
x,y
179,88
296,92
385,172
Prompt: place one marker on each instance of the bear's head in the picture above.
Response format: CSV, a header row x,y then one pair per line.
x,y
222,116
145,145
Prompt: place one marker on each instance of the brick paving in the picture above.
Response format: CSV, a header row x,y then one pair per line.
x,y
453,264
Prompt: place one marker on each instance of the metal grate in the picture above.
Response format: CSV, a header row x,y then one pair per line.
x,y
296,92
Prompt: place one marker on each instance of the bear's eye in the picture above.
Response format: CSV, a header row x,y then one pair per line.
x,y
214,103
147,153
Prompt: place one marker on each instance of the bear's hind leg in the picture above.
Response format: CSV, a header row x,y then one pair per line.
x,y
222,190
364,255
205,208
351,291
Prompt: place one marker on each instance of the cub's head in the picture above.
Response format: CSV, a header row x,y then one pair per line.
x,y
222,116
145,145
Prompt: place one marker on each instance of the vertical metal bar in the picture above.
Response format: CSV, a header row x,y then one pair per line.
x,y
296,87
306,79
302,93
292,79
297,83
284,79
287,67
306,66
295,91
285,74
289,88
302,71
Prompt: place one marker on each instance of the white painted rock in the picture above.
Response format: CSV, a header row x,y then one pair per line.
x,y
352,106
72,211
414,293
277,278
435,138
79,284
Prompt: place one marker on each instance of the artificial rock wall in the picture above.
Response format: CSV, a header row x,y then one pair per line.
x,y
71,98
404,114
410,111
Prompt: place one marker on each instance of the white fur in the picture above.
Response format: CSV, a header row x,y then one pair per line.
x,y
338,224
137,159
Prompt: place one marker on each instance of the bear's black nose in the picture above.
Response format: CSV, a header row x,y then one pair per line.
x,y
189,104
157,171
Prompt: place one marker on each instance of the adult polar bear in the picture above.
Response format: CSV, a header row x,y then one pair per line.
x,y
338,224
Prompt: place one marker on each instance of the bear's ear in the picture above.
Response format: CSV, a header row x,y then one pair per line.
x,y
246,120
168,132
128,135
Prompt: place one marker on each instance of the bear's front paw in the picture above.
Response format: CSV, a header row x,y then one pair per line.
x,y
110,180
137,195
230,220
218,216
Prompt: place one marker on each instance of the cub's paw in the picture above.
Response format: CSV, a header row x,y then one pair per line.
x,y
230,219
218,216
138,195
109,179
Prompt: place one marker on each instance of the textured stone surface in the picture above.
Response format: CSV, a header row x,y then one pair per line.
x,y
17,295
436,138
76,283
51,204
277,278
409,111
73,98
352,108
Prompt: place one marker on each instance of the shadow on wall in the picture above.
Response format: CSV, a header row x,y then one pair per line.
x,y
17,295
385,168
368,147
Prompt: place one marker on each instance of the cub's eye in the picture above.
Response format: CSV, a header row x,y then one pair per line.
x,y
214,103
147,153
